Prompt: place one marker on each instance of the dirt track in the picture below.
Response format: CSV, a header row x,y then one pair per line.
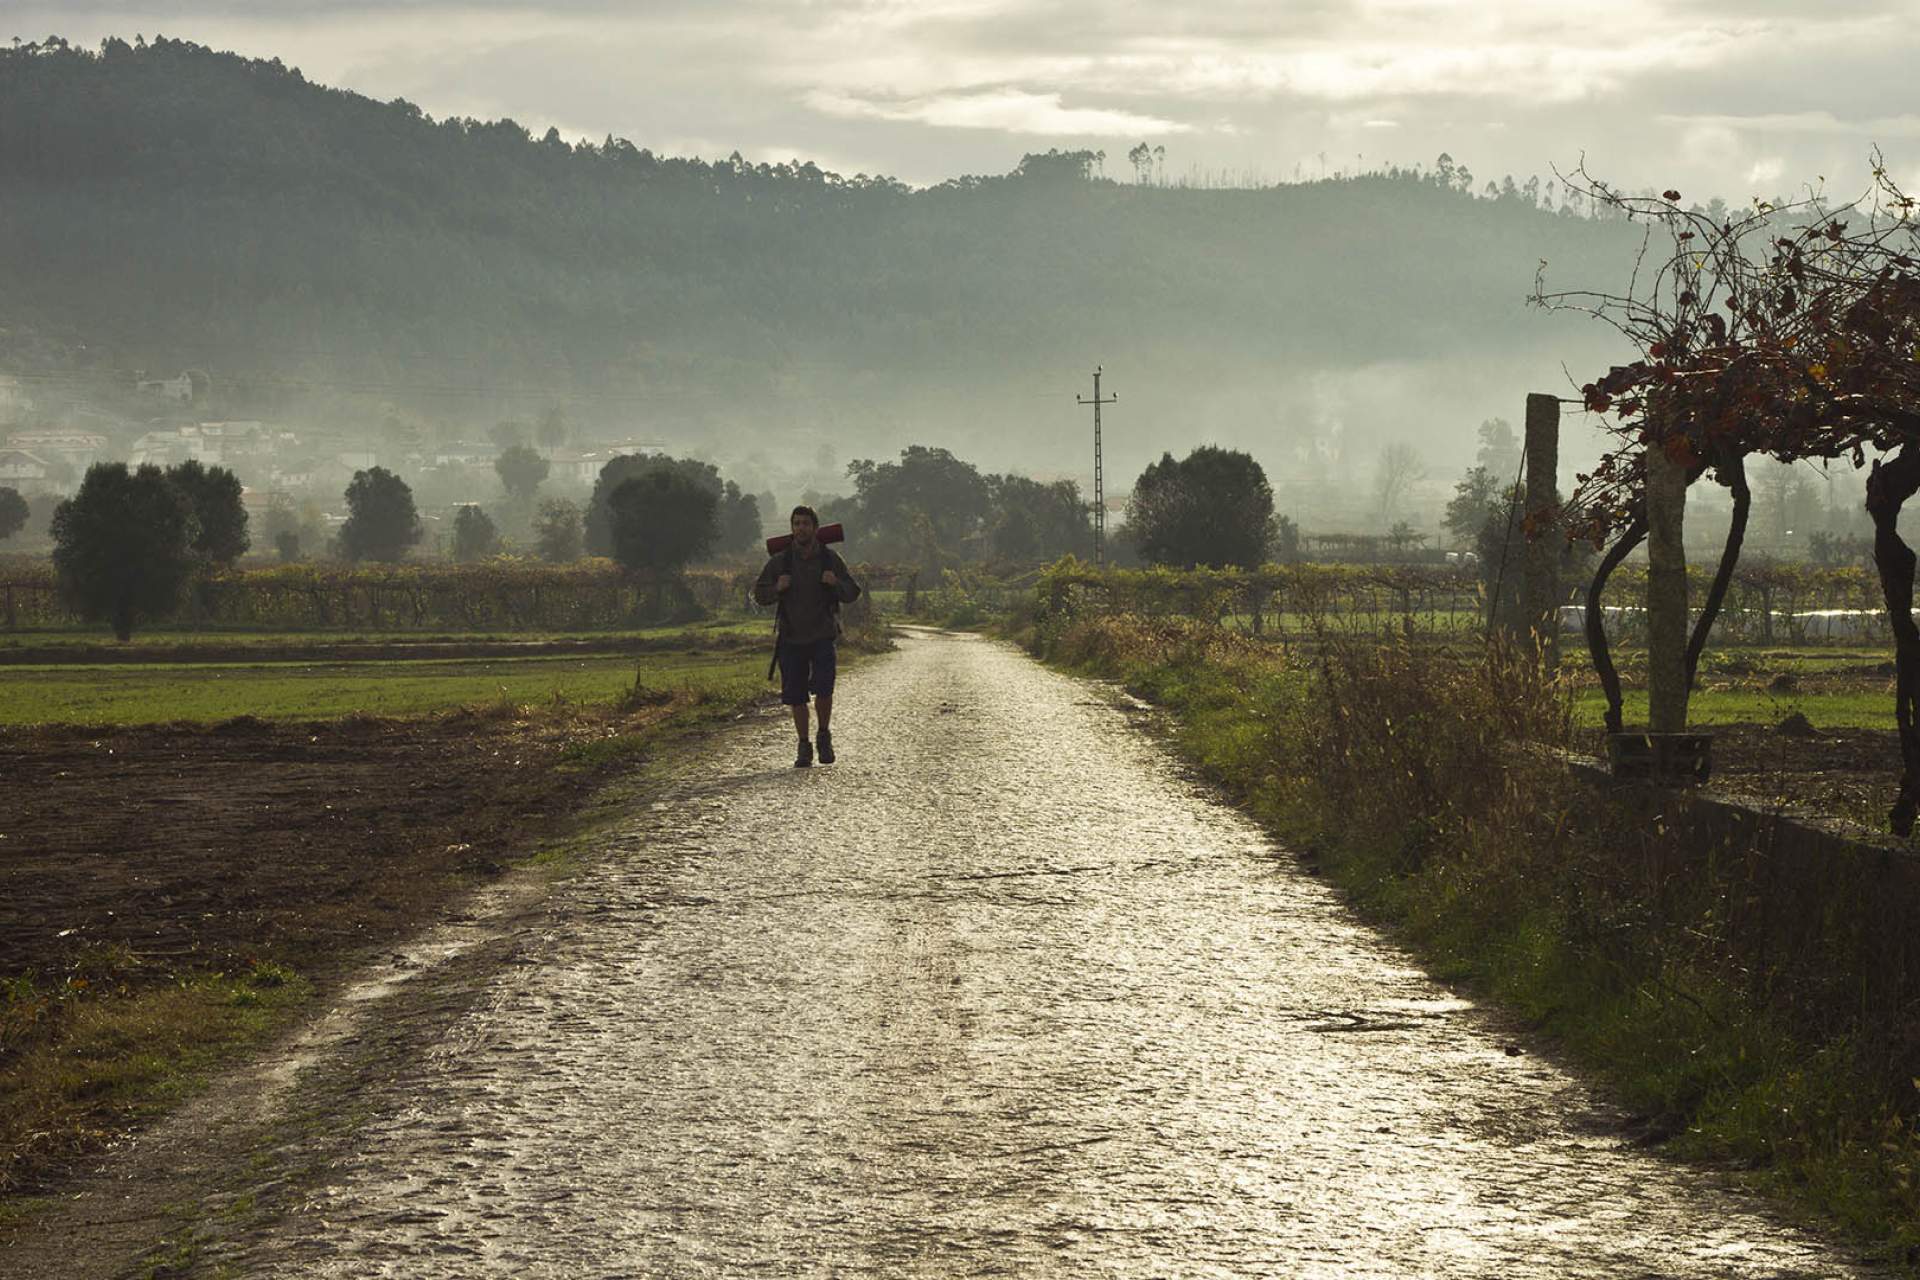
x,y
1037,1006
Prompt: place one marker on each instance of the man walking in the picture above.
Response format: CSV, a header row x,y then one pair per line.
x,y
807,584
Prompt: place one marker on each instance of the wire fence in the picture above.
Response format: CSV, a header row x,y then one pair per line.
x,y
1794,604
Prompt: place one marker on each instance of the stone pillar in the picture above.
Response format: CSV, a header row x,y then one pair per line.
x,y
1666,594
1540,582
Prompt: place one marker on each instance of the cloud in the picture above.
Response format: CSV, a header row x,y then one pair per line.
x,y
1807,122
1005,110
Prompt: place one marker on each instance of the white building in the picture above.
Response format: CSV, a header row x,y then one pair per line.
x,y
570,467
179,387
171,446
78,449
17,467
461,453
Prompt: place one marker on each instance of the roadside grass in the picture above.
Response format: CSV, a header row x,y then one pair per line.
x,y
1393,770
685,703
124,1049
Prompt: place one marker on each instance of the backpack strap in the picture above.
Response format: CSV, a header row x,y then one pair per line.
x,y
779,614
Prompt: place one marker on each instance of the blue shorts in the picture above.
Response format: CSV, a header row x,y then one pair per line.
x,y
804,669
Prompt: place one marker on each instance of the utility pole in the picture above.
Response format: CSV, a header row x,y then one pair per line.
x,y
1099,473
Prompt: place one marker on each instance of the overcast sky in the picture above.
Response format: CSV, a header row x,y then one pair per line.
x,y
1727,97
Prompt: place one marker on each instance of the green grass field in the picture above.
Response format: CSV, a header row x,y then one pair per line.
x,y
1709,707
743,630
143,693
1832,687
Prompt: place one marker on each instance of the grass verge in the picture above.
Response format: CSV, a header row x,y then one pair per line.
x,y
106,1046
1743,1021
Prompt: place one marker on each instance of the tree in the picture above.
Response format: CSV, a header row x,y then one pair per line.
x,y
1283,544
381,521
474,535
557,531
1792,332
1398,470
951,494
1475,495
13,513
1056,166
221,516
522,471
1499,450
1787,502
662,520
1029,520
741,527
1213,508
123,546
1141,158
552,431
508,435
599,517
293,531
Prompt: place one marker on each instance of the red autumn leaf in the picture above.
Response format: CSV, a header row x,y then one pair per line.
x,y
1670,196
1680,450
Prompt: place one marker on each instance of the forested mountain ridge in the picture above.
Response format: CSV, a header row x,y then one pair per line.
x,y
167,206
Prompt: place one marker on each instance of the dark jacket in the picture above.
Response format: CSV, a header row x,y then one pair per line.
x,y
807,610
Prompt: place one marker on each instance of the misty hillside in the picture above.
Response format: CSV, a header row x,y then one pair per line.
x,y
168,207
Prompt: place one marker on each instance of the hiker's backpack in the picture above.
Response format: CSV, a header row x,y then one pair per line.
x,y
780,603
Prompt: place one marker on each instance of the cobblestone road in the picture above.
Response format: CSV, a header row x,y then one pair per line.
x,y
999,994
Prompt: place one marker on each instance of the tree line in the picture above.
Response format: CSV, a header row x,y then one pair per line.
x,y
130,541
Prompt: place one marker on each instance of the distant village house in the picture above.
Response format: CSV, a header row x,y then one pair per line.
x,y
182,386
18,467
78,450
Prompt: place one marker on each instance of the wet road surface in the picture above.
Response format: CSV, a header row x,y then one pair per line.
x,y
999,994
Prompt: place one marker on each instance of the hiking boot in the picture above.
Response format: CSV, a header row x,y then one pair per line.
x,y
805,757
826,748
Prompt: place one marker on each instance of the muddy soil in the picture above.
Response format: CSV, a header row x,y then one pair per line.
x,y
250,838
1849,775
170,850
